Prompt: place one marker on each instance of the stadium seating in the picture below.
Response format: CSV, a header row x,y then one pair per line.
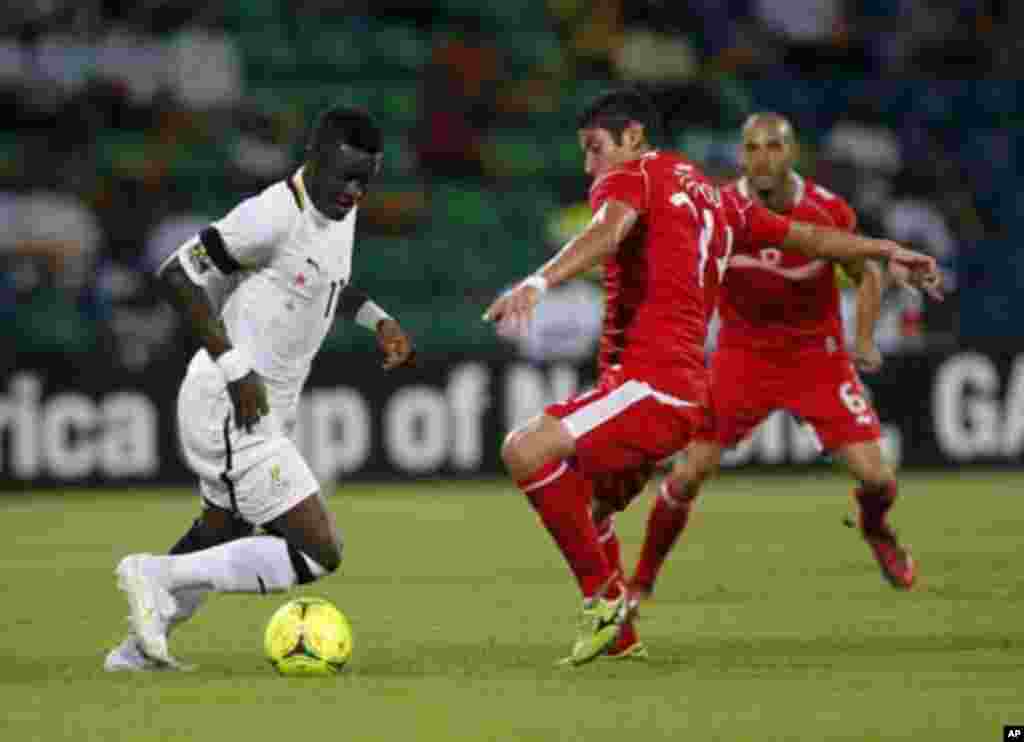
x,y
483,232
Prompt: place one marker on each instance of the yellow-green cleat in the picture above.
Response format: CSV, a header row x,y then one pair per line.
x,y
597,630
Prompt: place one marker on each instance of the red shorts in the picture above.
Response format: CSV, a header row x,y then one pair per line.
x,y
624,425
822,388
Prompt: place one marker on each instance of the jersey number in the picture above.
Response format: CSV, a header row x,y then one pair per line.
x,y
707,231
855,402
330,299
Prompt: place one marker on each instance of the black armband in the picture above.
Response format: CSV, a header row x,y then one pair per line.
x,y
351,301
217,251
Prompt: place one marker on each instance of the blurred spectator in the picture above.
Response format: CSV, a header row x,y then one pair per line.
x,y
912,218
713,28
648,56
456,103
592,30
943,38
49,246
814,36
915,220
204,69
860,156
262,151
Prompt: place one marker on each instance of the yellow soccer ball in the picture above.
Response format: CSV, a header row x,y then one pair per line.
x,y
308,637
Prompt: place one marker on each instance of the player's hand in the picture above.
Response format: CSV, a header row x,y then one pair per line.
x,y
513,310
867,357
249,397
929,282
394,344
911,259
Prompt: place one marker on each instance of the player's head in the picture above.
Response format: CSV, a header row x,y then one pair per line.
x,y
616,127
343,155
767,152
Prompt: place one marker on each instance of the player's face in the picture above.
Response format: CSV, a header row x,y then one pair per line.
x,y
766,156
338,178
601,154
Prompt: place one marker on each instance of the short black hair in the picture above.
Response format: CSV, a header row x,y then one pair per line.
x,y
351,125
616,109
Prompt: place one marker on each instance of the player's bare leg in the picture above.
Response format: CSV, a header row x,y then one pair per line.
x,y
671,512
536,456
875,497
306,549
310,528
214,526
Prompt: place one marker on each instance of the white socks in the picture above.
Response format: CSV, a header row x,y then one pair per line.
x,y
257,564
188,600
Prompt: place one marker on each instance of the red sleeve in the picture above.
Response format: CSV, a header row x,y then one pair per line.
x,y
629,187
765,227
845,217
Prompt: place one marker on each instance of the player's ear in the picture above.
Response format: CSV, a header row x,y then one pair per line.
x,y
633,135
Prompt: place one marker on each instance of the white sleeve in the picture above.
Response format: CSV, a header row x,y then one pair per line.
x,y
245,239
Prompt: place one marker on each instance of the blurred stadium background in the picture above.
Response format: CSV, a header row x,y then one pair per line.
x,y
129,125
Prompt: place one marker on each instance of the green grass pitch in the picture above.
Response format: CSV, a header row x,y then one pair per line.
x,y
771,622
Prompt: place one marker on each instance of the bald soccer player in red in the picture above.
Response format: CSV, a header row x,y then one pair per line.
x,y
781,347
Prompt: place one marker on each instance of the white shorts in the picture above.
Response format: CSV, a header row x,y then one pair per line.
x,y
259,475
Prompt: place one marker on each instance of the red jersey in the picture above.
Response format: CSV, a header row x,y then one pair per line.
x,y
773,299
661,283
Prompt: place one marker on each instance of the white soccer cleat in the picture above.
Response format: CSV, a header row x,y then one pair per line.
x,y
127,657
152,607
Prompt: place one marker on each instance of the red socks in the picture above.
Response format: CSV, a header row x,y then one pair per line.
x,y
561,496
874,505
667,520
609,540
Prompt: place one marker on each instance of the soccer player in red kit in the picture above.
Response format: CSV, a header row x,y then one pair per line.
x,y
661,229
780,346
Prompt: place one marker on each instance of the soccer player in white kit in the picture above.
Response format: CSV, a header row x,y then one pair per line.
x,y
260,288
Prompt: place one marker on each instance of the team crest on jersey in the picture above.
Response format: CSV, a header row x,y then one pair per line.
x,y
199,258
276,476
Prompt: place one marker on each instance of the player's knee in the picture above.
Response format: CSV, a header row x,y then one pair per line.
x,y
509,449
880,482
519,453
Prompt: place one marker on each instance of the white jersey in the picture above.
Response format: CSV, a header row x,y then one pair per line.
x,y
278,306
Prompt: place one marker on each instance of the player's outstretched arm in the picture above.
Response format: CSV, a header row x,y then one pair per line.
x,y
394,343
244,385
825,242
600,239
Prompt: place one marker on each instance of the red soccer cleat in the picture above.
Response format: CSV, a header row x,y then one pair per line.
x,y
896,562
628,645
898,567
